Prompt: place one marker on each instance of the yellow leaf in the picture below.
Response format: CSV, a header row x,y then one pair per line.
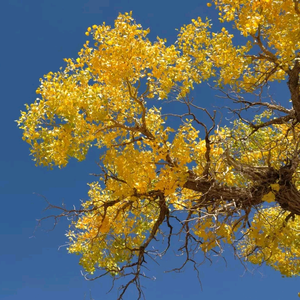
x,y
275,187
105,226
270,197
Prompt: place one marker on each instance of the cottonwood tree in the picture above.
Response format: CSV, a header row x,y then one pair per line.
x,y
207,184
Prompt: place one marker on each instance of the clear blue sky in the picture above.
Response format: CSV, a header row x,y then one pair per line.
x,y
36,35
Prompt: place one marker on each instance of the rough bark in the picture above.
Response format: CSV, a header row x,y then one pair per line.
x,y
288,197
293,84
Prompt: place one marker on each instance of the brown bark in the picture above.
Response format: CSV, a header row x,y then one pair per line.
x,y
293,84
245,198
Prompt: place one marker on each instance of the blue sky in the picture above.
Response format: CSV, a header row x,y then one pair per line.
x,y
36,36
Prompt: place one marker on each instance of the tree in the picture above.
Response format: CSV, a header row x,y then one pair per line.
x,y
234,184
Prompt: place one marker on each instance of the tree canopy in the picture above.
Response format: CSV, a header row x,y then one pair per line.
x,y
187,176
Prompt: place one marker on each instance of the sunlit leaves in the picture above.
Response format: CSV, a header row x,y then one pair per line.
x,y
221,184
273,240
276,21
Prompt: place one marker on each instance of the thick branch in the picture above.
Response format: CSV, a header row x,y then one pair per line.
x,y
288,196
294,88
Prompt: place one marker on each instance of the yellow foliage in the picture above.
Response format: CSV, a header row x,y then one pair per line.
x,y
275,187
273,240
270,197
107,98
